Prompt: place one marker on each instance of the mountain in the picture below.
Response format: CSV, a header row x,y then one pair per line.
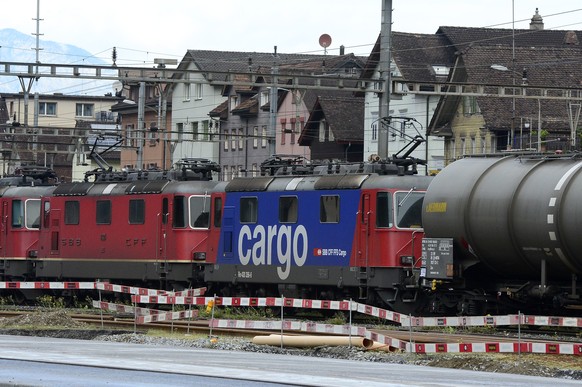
x,y
16,46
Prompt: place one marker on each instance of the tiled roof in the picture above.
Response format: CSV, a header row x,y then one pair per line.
x,y
414,54
545,67
345,116
463,37
249,106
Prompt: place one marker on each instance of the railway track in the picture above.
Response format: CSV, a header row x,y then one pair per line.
x,y
201,327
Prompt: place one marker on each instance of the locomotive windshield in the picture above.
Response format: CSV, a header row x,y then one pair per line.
x,y
29,213
199,211
408,207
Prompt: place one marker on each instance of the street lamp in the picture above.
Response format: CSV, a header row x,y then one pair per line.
x,y
524,82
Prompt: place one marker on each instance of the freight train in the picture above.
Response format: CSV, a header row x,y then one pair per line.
x,y
486,235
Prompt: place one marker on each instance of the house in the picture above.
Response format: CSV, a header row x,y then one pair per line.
x,y
536,62
230,124
414,57
334,130
151,145
57,141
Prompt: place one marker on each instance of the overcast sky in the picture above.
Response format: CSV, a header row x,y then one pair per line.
x,y
144,29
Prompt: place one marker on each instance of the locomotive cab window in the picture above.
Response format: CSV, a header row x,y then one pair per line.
x,y
32,211
329,209
199,211
17,214
103,212
409,209
384,210
72,212
288,209
26,214
179,218
136,211
249,209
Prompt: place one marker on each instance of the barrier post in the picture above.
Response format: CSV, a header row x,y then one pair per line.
x,y
134,313
350,324
212,314
282,303
172,319
189,317
410,330
518,334
100,309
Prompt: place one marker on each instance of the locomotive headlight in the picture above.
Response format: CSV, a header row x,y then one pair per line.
x,y
199,256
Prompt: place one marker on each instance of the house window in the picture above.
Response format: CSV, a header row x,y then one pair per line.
x,y
84,110
322,131
186,87
256,137
47,108
129,134
249,209
255,170
330,134
103,212
194,130
264,97
72,212
470,106
283,130
198,91
374,126
483,145
329,209
180,130
233,102
264,137
240,139
205,130
225,134
137,211
233,139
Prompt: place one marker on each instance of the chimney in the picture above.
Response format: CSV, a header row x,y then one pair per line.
x,y
537,23
342,50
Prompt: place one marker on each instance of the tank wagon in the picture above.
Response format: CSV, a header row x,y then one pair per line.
x,y
509,227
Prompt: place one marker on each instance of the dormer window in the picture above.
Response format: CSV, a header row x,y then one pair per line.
x,y
440,70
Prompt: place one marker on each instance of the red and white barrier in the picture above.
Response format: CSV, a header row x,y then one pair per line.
x,y
108,287
120,308
47,285
193,297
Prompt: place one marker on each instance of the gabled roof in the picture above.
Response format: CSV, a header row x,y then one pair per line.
x,y
414,54
545,67
248,107
345,116
462,37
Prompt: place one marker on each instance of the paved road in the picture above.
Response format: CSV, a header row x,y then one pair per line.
x,y
115,364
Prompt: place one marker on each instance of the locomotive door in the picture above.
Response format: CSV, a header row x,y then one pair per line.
x,y
161,253
3,228
364,234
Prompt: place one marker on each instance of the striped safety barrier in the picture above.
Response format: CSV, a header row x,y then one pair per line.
x,y
194,297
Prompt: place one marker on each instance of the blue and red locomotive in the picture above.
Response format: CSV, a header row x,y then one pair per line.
x,y
485,235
